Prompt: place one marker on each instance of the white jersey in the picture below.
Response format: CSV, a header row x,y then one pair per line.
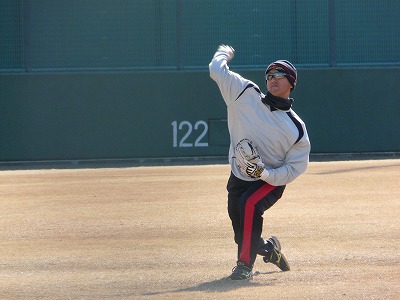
x,y
280,136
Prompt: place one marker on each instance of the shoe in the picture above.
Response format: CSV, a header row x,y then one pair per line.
x,y
241,272
272,253
264,245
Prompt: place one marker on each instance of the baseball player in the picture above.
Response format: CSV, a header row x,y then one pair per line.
x,y
269,147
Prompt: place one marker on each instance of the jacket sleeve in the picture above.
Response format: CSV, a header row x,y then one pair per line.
x,y
230,83
296,162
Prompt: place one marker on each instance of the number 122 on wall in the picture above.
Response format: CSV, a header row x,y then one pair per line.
x,y
184,131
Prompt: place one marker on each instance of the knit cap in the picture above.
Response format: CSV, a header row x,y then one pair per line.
x,y
286,67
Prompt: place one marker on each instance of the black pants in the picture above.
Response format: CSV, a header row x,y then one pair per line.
x,y
247,201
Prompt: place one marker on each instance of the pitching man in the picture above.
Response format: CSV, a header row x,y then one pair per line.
x,y
269,147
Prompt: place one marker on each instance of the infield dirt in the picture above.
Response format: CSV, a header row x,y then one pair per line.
x,y
164,233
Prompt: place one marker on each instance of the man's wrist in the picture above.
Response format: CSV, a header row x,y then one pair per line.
x,y
264,174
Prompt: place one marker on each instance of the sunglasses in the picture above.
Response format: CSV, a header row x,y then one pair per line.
x,y
277,75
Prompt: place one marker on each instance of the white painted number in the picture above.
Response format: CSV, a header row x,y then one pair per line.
x,y
182,143
196,126
187,129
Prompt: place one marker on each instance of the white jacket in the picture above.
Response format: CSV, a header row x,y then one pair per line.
x,y
274,133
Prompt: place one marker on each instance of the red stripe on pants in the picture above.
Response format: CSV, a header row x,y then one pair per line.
x,y
248,219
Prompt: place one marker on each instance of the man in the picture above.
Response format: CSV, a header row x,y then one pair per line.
x,y
269,147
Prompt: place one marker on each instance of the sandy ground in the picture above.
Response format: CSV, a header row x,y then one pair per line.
x,y
164,233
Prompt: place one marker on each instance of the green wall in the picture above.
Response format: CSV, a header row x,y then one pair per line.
x,y
177,34
68,116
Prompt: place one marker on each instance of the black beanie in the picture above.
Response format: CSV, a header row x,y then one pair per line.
x,y
286,67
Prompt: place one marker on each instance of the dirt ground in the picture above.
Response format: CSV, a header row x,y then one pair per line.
x,y
163,233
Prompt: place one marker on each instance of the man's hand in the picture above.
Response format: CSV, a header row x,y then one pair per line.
x,y
249,161
227,51
255,171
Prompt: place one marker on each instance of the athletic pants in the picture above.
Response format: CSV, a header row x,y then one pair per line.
x,y
247,201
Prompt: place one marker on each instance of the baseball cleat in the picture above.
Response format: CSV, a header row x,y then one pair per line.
x,y
272,253
241,272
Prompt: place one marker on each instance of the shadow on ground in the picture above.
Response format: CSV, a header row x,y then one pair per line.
x,y
219,285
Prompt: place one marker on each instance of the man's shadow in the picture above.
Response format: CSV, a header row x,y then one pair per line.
x,y
219,285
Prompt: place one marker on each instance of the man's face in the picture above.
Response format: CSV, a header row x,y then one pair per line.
x,y
278,86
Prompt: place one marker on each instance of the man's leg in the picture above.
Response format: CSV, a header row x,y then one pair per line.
x,y
258,197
